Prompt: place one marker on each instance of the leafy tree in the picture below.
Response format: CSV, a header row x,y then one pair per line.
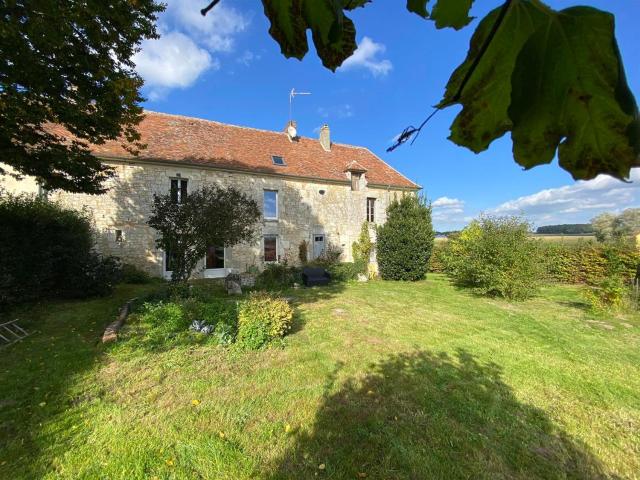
x,y
209,216
69,63
554,79
608,226
404,243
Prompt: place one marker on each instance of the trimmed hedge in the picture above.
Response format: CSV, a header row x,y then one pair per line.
x,y
580,262
46,252
586,262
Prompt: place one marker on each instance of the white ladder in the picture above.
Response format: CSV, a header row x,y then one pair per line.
x,y
11,332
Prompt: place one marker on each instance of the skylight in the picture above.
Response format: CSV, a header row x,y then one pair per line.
x,y
277,160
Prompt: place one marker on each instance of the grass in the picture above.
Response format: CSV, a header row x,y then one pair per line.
x,y
377,380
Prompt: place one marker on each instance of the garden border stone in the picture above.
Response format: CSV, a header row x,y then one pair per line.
x,y
111,332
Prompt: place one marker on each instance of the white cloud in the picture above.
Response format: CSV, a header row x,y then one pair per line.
x,y
448,213
446,202
575,203
366,56
172,61
337,111
247,58
216,30
183,52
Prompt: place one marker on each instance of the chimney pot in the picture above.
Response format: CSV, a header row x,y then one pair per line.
x,y
325,138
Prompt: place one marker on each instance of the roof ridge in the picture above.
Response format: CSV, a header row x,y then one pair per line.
x,y
388,165
244,127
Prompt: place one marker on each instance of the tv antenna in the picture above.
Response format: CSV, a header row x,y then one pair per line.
x,y
292,95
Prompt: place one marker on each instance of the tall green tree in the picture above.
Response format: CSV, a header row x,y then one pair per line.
x,y
209,216
553,78
69,63
405,242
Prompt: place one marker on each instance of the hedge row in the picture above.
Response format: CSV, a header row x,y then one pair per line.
x,y
578,263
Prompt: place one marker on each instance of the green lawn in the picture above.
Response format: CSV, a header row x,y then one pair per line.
x,y
379,381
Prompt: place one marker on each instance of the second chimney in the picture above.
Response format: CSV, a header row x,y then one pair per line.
x,y
325,138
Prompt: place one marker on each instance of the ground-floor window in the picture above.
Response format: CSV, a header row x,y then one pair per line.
x,y
270,248
169,261
215,257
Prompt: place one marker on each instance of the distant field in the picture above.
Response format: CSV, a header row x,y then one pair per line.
x,y
549,238
563,238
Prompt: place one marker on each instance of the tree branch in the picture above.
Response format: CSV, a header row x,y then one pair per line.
x,y
410,131
206,9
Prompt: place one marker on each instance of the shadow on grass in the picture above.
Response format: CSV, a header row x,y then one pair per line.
x,y
421,416
578,305
43,398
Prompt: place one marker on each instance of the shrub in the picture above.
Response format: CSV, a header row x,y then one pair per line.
x,y
134,275
405,241
261,319
437,262
277,276
303,252
611,290
363,247
610,293
329,256
495,256
97,276
46,251
342,272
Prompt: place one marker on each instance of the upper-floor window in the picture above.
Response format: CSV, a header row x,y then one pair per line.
x,y
178,190
371,209
270,204
355,181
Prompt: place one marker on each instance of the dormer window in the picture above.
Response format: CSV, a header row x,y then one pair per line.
x,y
355,181
355,172
278,160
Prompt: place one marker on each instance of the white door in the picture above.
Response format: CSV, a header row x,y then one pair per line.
x,y
318,245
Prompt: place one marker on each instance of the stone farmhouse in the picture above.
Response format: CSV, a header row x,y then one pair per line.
x,y
310,190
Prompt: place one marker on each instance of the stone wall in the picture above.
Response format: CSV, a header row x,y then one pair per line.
x,y
305,209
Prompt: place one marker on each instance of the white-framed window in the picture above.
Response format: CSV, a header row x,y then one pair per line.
x,y
371,209
270,248
270,204
179,189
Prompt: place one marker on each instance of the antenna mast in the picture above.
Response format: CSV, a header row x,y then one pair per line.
x,y
292,95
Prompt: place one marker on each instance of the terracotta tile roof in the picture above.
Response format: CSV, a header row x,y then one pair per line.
x,y
203,142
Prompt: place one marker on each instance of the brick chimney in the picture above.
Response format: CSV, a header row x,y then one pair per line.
x,y
325,138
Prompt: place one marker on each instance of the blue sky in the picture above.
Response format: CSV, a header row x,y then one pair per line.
x,y
226,67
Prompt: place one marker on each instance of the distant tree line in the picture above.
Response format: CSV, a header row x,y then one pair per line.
x,y
566,229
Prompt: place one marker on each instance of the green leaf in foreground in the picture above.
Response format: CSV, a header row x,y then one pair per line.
x,y
334,35
452,13
486,94
419,7
570,93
